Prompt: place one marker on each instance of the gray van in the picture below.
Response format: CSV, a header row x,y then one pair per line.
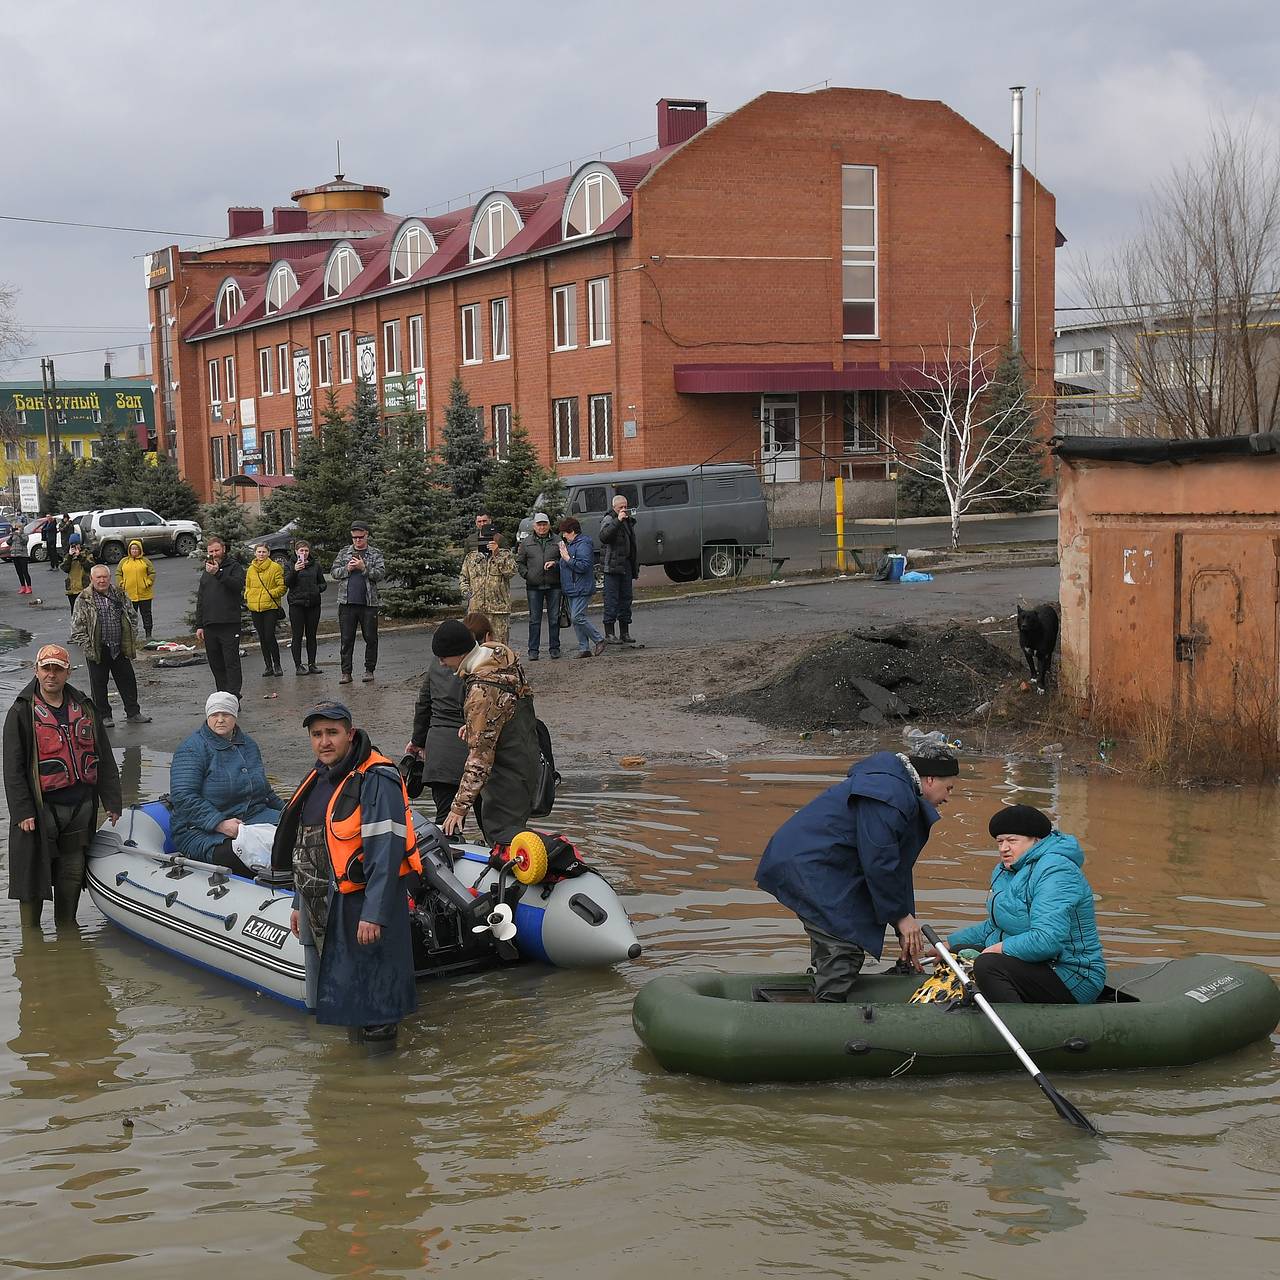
x,y
703,520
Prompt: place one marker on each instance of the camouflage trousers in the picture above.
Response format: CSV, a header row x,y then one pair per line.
x,y
313,879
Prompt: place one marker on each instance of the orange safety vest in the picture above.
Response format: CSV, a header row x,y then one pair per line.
x,y
342,823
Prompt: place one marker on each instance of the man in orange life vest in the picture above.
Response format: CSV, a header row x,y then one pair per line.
x,y
58,768
347,835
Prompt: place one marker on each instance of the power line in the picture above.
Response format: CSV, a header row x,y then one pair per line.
x,y
49,354
106,226
86,328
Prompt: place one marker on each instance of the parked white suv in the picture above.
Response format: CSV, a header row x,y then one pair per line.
x,y
108,533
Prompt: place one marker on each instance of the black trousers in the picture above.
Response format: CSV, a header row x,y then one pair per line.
x,y
618,592
121,670
264,623
304,620
442,793
144,612
51,554
351,617
225,856
222,649
20,567
1004,980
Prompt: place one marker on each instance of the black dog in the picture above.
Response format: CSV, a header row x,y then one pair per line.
x,y
1038,635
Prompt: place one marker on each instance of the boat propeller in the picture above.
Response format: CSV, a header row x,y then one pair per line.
x,y
500,922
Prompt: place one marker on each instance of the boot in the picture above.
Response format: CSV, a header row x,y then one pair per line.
x,y
626,637
299,669
609,637
277,670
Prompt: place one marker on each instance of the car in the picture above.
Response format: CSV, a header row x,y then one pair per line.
x,y
279,544
108,533
36,548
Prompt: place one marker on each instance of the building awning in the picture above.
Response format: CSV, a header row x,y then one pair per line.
x,y
720,379
258,482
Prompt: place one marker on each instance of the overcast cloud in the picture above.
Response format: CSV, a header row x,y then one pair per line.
x,y
161,115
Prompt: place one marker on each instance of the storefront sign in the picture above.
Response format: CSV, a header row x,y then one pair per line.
x,y
248,413
29,493
367,360
302,411
420,390
158,267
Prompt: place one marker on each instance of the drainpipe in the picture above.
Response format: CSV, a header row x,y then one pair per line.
x,y
1015,304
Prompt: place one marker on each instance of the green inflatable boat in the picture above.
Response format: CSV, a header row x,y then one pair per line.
x,y
758,1027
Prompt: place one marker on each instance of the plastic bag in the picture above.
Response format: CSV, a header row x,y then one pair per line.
x,y
916,576
252,845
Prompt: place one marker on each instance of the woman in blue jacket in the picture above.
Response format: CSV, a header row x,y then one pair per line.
x,y
578,582
1040,940
217,784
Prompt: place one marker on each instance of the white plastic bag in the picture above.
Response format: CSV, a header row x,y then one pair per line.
x,y
253,844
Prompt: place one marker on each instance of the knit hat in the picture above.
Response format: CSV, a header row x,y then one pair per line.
x,y
220,701
1020,820
452,640
939,763
74,540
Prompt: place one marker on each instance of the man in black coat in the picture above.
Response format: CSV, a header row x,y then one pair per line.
x,y
621,565
218,600
58,768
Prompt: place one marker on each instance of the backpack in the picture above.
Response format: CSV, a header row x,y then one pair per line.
x,y
544,793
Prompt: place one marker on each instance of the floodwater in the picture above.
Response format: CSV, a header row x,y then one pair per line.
x,y
155,1121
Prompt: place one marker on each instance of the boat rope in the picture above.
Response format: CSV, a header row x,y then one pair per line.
x,y
1142,977
171,898
903,1067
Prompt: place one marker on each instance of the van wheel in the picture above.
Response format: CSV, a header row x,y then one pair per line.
x,y
721,560
112,553
184,544
683,570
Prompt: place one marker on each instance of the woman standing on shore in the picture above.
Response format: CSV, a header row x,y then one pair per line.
x,y
136,577
263,593
305,582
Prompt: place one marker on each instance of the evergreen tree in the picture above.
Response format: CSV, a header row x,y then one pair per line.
x,y
1022,466
130,487
62,491
920,495
320,498
412,528
367,463
466,462
554,496
166,492
515,484
227,518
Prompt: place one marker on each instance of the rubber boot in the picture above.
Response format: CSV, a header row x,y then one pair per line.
x,y
610,638
30,913
626,637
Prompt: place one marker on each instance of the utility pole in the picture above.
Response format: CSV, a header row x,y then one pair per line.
x,y
45,366
53,390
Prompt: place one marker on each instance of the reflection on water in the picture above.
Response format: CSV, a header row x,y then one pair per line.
x,y
153,1115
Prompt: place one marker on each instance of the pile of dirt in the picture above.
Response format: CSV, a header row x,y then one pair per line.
x,y
879,675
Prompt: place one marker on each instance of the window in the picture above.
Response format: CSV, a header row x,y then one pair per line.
x,y
471,334
564,318
77,450
588,501
861,421
286,453
502,432
61,417
33,450
564,413
858,246
215,395
344,356
592,201
598,312
140,417
1073,362
412,248
600,412
233,453
391,346
281,286
231,377
497,223
343,268
93,448
268,453
264,371
11,451
324,361
667,493
95,415
21,415
282,363
416,363
215,450
230,300
498,328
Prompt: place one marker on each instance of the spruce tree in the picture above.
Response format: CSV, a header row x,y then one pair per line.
x,y
227,518
320,498
166,492
465,463
62,492
1021,464
130,488
366,464
412,528
920,495
515,484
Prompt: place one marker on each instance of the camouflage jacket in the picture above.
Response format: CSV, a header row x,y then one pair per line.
x,y
494,683
486,581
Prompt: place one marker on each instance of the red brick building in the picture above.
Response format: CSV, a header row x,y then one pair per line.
x,y
761,288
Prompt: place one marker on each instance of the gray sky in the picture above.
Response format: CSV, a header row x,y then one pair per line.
x,y
161,115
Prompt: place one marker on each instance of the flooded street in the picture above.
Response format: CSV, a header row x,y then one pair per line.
x,y
155,1121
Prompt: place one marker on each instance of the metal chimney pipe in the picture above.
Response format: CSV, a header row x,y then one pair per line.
x,y
1015,303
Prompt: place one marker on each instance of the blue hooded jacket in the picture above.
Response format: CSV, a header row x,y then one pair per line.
x,y
844,862
1041,908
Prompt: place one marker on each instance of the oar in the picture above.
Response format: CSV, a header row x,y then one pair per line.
x,y
1063,1106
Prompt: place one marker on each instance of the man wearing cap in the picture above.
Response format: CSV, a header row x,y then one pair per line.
x,y
843,864
538,563
347,837
485,578
104,623
58,768
359,567
501,731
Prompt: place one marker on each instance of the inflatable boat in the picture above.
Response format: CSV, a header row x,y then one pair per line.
x,y
470,913
766,1027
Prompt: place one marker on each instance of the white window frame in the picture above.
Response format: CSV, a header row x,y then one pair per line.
x,y
500,328
21,416
32,449
501,416
600,406
599,333
283,365
265,358
230,300
344,355
279,293
11,450
324,361
268,453
469,319
77,449
95,416
592,182
568,293
219,463
140,417
229,385
568,429
343,267
286,451
215,382
391,348
417,352
862,255
60,416
418,244
494,211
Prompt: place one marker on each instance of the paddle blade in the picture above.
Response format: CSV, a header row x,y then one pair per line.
x,y
1066,1108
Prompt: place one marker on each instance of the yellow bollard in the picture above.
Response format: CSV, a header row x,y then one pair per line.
x,y
840,564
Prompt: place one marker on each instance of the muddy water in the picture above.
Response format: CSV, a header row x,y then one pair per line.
x,y
157,1122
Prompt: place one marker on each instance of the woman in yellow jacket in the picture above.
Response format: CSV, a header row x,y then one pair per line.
x,y
136,577
263,593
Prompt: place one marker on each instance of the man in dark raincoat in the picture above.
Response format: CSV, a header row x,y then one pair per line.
x,y
347,836
843,864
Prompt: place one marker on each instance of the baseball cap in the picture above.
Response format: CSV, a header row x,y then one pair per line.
x,y
327,711
53,655
541,517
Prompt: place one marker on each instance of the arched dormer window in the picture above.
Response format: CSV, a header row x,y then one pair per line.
x,y
344,266
495,226
591,201
281,286
412,247
230,300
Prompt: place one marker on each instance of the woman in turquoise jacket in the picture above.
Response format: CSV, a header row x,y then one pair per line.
x,y
1040,940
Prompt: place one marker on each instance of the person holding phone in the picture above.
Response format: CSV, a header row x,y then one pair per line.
x,y
578,582
218,598
485,578
264,593
359,567
305,582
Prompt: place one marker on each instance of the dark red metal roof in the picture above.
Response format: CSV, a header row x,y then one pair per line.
x,y
718,379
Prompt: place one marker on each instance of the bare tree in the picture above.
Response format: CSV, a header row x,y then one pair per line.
x,y
973,442
14,339
1194,298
